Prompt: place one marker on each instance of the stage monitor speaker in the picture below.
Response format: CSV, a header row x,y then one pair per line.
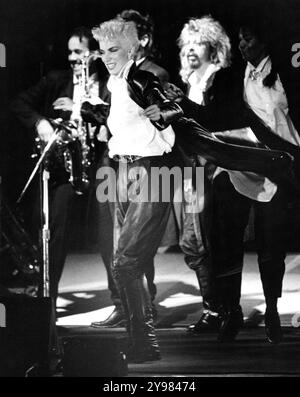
x,y
95,356
25,334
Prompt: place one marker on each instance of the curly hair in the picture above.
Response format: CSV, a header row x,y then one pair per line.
x,y
206,31
117,29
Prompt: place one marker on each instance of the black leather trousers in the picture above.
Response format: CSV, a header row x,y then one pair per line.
x,y
138,229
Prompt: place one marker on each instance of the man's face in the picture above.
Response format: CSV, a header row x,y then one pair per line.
x,y
196,53
251,48
114,54
77,49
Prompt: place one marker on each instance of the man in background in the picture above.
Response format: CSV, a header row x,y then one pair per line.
x,y
60,95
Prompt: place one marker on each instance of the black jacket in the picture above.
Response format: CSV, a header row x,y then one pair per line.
x,y
145,90
36,102
159,74
227,110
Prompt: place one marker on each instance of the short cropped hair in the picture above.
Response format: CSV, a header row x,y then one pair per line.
x,y
117,29
206,31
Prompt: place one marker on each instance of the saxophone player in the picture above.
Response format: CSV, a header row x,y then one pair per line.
x,y
59,95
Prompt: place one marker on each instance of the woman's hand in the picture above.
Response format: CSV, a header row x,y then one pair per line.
x,y
152,112
173,92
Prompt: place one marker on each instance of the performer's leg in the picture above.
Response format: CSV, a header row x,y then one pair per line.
x,y
239,156
138,229
117,317
136,247
271,237
61,200
197,258
229,220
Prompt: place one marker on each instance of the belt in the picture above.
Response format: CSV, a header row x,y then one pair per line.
x,y
126,158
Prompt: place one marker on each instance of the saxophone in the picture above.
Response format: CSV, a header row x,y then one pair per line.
x,y
78,154
74,137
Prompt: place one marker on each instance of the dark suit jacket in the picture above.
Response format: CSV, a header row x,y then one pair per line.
x,y
36,102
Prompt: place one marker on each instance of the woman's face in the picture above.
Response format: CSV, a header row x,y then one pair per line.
x,y
196,53
114,54
251,48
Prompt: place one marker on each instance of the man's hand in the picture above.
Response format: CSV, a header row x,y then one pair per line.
x,y
44,130
64,103
152,112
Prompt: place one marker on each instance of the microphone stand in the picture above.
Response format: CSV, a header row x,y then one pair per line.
x,y
43,365
45,234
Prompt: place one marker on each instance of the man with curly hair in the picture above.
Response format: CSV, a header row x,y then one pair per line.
x,y
204,50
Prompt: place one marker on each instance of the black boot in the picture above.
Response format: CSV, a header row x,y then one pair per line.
x,y
210,319
115,319
272,320
231,312
143,341
273,327
232,322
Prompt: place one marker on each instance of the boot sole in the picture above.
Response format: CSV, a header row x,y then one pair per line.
x,y
120,324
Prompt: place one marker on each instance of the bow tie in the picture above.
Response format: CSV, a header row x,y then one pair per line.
x,y
254,74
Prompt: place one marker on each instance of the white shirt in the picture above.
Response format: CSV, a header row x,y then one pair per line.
x,y
132,132
271,106
198,86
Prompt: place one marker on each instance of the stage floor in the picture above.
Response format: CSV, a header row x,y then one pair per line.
x,y
84,298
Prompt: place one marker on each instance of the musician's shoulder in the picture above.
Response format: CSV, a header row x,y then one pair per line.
x,y
57,75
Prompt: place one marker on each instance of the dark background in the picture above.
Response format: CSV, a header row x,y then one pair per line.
x,y
35,35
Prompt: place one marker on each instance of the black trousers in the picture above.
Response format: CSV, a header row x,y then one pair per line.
x,y
229,219
138,225
194,240
106,229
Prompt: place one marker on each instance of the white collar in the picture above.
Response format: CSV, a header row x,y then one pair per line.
x,y
125,69
260,67
252,72
139,61
194,77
